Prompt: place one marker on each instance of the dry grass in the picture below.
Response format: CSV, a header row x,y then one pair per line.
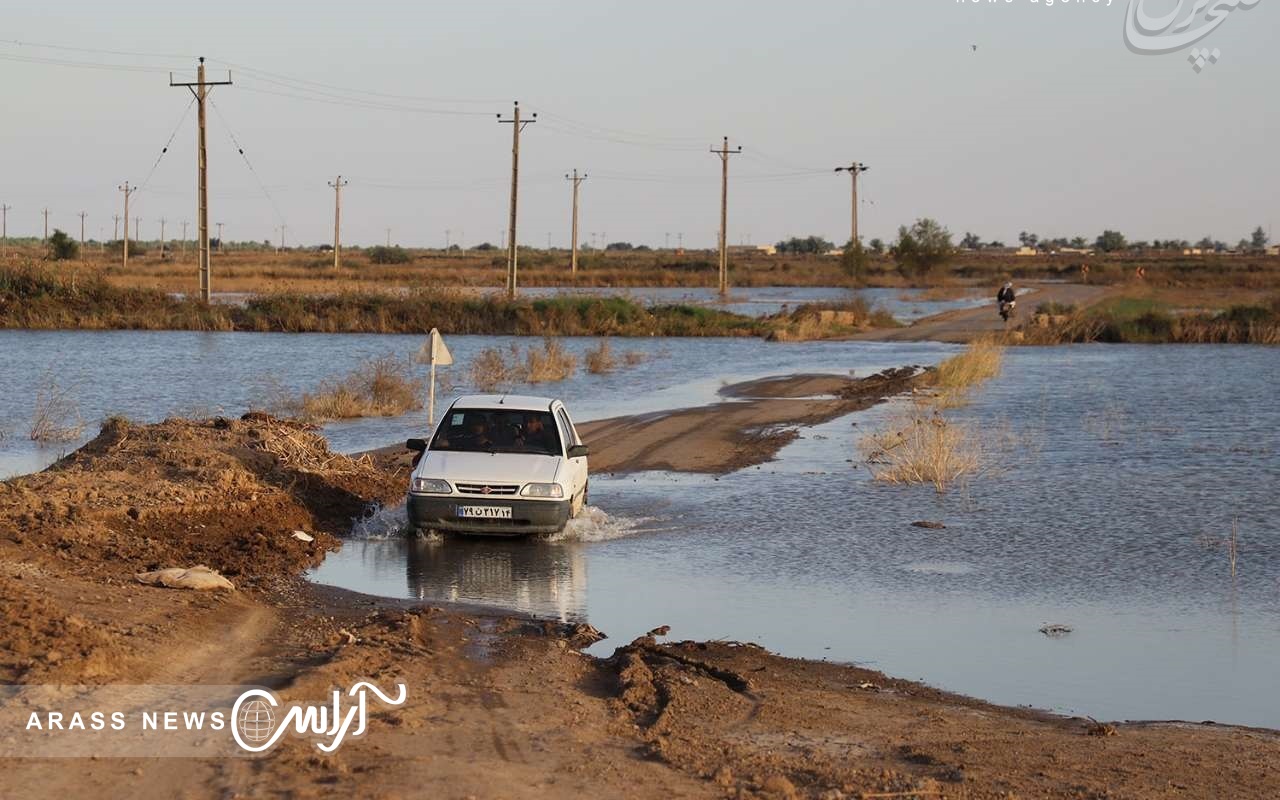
x,y
385,387
923,446
493,371
57,416
955,377
550,364
601,360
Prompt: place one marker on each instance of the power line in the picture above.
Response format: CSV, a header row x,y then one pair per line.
x,y
167,144
236,143
20,43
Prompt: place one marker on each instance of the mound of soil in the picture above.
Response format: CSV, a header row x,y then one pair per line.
x,y
227,493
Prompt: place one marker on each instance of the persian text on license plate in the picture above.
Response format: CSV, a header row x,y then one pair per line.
x,y
484,512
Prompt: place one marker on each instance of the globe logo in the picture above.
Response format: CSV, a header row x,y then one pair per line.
x,y
255,721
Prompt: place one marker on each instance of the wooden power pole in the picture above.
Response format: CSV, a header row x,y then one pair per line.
x,y
163,242
337,220
854,169
573,242
517,125
128,190
201,88
82,215
724,152
46,225
4,228
115,231
184,240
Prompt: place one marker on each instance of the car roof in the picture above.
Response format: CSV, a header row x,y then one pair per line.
x,y
514,402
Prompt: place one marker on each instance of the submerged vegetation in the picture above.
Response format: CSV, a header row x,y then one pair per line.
x,y
921,444
384,387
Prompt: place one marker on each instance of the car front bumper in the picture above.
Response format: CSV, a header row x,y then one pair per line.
x,y
440,513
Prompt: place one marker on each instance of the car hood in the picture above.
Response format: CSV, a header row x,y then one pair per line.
x,y
520,468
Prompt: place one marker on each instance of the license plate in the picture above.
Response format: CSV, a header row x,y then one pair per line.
x,y
484,512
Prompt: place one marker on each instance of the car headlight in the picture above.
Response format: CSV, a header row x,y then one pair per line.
x,y
431,486
542,490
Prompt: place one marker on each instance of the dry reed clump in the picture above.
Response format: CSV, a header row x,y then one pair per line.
x,y
496,370
551,364
384,387
57,416
923,446
956,376
601,360
295,445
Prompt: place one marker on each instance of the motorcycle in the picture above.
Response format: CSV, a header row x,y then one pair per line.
x,y
1007,308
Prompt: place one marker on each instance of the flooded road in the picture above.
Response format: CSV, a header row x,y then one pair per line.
x,y
1120,479
1127,467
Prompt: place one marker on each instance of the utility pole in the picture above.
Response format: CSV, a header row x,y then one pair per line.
x,y
854,169
219,237
447,232
573,259
337,219
82,215
162,239
128,190
512,248
724,152
201,89
137,229
115,232
680,240
184,240
46,225
4,228
282,229
666,242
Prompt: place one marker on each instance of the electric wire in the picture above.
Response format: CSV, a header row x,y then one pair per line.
x,y
236,143
167,144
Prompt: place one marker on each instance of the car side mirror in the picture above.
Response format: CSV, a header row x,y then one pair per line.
x,y
579,451
416,445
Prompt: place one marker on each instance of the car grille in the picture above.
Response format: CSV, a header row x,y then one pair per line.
x,y
487,489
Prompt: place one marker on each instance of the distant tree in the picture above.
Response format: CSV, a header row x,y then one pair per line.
x,y
1259,239
1110,241
1242,245
1206,243
619,246
1079,242
62,247
809,244
484,247
853,261
453,248
1025,239
996,244
877,246
643,248
1139,245
323,248
1219,246
389,255
922,247
971,241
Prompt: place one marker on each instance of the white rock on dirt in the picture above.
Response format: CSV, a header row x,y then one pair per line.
x,y
199,578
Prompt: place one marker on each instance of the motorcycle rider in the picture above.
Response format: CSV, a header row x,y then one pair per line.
x,y
1006,293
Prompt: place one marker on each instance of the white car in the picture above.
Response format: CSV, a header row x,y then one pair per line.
x,y
500,465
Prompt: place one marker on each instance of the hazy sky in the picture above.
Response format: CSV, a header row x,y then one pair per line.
x,y
1053,125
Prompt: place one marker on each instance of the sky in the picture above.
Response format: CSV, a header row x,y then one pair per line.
x,y
1052,125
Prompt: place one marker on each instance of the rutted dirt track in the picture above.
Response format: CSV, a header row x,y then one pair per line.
x,y
498,706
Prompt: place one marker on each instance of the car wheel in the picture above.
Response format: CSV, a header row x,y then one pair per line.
x,y
578,503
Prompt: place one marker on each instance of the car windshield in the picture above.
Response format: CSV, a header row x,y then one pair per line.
x,y
487,430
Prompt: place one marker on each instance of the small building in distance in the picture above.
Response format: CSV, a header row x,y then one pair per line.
x,y
1026,251
751,249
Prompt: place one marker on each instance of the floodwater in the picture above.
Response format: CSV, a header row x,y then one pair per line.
x,y
1120,470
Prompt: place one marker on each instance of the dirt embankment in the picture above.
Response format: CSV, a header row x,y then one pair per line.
x,y
728,436
497,706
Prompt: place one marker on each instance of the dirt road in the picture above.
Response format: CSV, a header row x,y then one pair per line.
x,y
967,324
497,706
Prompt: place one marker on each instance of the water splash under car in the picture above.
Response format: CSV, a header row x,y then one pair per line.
x,y
499,465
